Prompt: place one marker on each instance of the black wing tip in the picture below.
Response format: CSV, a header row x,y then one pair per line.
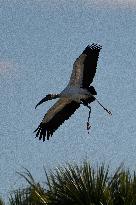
x,y
93,47
46,130
42,132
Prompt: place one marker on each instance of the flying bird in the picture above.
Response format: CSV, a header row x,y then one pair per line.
x,y
77,92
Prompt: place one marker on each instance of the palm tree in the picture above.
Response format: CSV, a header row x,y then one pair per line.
x,y
79,185
1,201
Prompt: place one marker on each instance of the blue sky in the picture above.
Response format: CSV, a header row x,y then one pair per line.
x,y
39,41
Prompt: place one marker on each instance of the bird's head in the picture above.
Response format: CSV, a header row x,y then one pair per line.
x,y
47,97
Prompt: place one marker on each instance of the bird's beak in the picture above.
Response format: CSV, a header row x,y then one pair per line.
x,y
43,100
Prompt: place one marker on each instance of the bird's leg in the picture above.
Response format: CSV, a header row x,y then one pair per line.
x,y
108,111
88,123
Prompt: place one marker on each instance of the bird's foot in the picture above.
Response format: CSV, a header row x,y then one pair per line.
x,y
88,126
110,113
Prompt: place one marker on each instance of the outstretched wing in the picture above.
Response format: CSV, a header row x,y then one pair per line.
x,y
84,67
55,116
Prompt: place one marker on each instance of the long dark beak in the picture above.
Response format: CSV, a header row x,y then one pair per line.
x,y
48,97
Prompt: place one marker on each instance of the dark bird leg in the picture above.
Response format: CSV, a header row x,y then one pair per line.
x,y
88,123
108,111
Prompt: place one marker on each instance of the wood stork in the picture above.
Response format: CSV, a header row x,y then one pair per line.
x,y
78,91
